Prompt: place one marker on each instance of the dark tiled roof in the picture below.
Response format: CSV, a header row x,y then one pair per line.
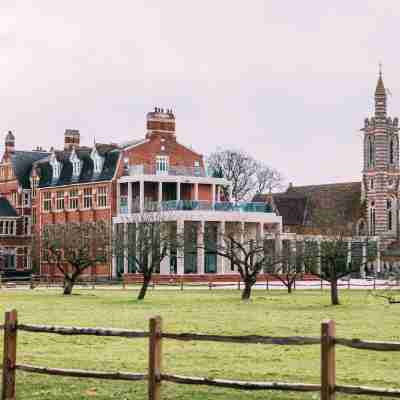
x,y
6,209
109,152
298,203
22,164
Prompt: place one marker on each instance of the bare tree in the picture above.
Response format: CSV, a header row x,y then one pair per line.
x,y
247,175
289,265
145,245
73,248
248,255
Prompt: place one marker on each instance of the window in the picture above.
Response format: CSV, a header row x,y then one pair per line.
x,y
87,198
26,199
391,152
60,201
371,183
389,214
102,196
76,168
7,227
27,226
46,201
372,219
34,185
162,164
73,200
370,152
14,198
33,216
56,166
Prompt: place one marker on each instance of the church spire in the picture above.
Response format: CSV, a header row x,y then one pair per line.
x,y
380,96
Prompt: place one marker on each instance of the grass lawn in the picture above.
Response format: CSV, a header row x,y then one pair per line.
x,y
219,312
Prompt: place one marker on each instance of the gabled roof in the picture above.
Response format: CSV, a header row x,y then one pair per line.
x,y
22,164
6,209
298,203
87,175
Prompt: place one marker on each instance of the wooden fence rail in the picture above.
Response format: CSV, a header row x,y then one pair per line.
x,y
155,375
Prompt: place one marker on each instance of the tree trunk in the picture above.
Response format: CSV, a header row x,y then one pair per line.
x,y
68,285
143,289
334,293
246,291
289,287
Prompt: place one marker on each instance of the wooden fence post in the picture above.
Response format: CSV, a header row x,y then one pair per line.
x,y
322,284
155,358
328,360
9,355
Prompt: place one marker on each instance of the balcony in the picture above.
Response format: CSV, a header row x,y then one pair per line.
x,y
147,169
192,205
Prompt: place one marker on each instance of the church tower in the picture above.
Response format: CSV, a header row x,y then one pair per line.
x,y
381,173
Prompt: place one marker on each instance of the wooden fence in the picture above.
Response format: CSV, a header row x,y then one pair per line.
x,y
155,375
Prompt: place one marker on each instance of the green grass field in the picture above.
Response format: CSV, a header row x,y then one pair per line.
x,y
218,312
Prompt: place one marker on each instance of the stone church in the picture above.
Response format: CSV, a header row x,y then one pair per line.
x,y
368,207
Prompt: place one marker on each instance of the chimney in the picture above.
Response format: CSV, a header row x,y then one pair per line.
x,y
160,122
10,142
71,139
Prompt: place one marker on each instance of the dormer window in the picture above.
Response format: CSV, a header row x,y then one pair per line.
x,y
76,164
56,166
98,161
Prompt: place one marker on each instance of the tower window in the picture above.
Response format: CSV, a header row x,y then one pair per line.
x,y
391,152
389,214
371,153
371,183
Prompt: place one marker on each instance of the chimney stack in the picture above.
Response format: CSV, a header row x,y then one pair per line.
x,y
71,139
160,122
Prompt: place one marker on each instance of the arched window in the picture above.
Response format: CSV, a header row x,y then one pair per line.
x,y
391,152
372,219
370,152
389,210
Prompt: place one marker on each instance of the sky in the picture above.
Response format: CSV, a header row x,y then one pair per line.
x,y
289,82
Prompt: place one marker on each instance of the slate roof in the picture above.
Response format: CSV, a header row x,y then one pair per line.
x,y
109,152
6,209
298,203
22,164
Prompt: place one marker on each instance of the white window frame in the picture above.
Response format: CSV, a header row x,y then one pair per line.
x,y
47,206
162,165
60,202
102,197
73,201
87,198
98,161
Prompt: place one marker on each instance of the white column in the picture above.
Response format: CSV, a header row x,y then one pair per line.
x,y
125,247
196,192
260,239
114,257
180,262
218,193
378,257
160,191
278,247
130,198
213,194
364,259
165,262
220,243
178,191
349,252
141,196
200,248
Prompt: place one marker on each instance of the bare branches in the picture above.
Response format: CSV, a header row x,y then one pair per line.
x,y
73,247
247,175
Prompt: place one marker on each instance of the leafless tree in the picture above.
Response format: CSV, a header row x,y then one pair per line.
x,y
291,265
145,245
73,248
248,255
247,175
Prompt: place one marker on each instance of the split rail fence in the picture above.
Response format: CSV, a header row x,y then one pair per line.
x,y
155,375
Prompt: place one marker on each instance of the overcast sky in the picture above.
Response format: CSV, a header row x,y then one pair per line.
x,y
288,81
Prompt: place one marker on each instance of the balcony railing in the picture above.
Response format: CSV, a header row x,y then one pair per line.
x,y
192,205
147,169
